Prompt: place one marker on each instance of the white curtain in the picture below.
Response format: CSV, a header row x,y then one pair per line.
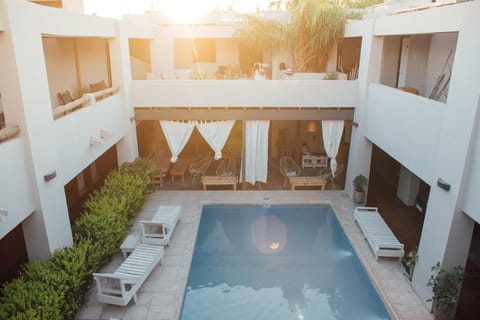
x,y
216,134
177,135
256,151
332,135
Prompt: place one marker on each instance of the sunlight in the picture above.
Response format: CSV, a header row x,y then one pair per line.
x,y
181,11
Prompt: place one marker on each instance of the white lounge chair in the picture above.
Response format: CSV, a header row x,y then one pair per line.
x,y
379,236
122,285
159,230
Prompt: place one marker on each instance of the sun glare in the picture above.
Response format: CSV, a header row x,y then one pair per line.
x,y
183,11
180,11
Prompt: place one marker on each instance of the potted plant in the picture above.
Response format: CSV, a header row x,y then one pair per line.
x,y
445,287
359,183
410,261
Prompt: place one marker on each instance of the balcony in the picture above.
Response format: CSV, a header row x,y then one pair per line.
x,y
244,93
406,126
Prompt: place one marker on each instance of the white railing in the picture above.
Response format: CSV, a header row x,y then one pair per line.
x,y
86,99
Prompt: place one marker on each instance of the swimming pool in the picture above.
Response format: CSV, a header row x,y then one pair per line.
x,y
276,262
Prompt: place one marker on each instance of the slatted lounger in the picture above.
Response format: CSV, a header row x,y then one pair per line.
x,y
159,230
379,236
122,285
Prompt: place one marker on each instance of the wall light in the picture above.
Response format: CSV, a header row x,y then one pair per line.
x,y
106,134
312,126
442,184
3,213
49,175
94,140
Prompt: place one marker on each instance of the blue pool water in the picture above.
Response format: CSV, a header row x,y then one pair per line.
x,y
276,262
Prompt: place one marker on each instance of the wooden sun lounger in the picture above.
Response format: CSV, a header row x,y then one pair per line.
x,y
381,239
122,285
307,182
159,230
219,181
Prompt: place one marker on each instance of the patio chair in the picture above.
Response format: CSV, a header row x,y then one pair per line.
x,y
159,230
326,173
198,167
381,239
121,286
289,168
227,168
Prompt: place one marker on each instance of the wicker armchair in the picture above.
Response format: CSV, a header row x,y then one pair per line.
x,y
289,168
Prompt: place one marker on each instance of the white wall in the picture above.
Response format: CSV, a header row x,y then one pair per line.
x,y
74,131
163,53
390,59
139,69
61,69
417,62
405,126
92,61
240,93
472,200
440,46
443,19
16,181
368,71
227,51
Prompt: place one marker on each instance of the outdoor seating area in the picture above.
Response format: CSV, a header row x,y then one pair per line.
x,y
142,254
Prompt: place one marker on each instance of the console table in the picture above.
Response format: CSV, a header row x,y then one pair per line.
x,y
311,161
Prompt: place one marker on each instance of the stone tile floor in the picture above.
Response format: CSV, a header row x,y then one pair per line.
x,y
161,296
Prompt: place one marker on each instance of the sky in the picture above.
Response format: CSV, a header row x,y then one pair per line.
x,y
181,10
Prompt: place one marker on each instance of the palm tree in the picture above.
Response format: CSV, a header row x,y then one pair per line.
x,y
313,28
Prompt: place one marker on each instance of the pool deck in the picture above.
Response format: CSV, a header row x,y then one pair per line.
x,y
160,297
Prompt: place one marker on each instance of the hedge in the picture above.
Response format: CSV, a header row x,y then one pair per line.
x,y
55,288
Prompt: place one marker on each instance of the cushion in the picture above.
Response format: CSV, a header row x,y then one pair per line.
x,y
97,86
65,97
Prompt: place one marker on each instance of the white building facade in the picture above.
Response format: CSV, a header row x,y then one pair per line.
x,y
433,135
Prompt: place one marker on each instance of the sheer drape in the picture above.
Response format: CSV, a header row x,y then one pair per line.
x,y
177,135
256,151
332,135
215,134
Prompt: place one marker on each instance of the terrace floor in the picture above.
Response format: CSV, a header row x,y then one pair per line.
x,y
161,295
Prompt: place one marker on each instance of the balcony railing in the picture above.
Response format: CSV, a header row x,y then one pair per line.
x,y
85,100
406,126
244,93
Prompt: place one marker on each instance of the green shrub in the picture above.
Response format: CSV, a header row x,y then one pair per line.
x,y
54,289
103,231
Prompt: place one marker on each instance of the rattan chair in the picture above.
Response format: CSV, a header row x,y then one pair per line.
x,y
289,168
